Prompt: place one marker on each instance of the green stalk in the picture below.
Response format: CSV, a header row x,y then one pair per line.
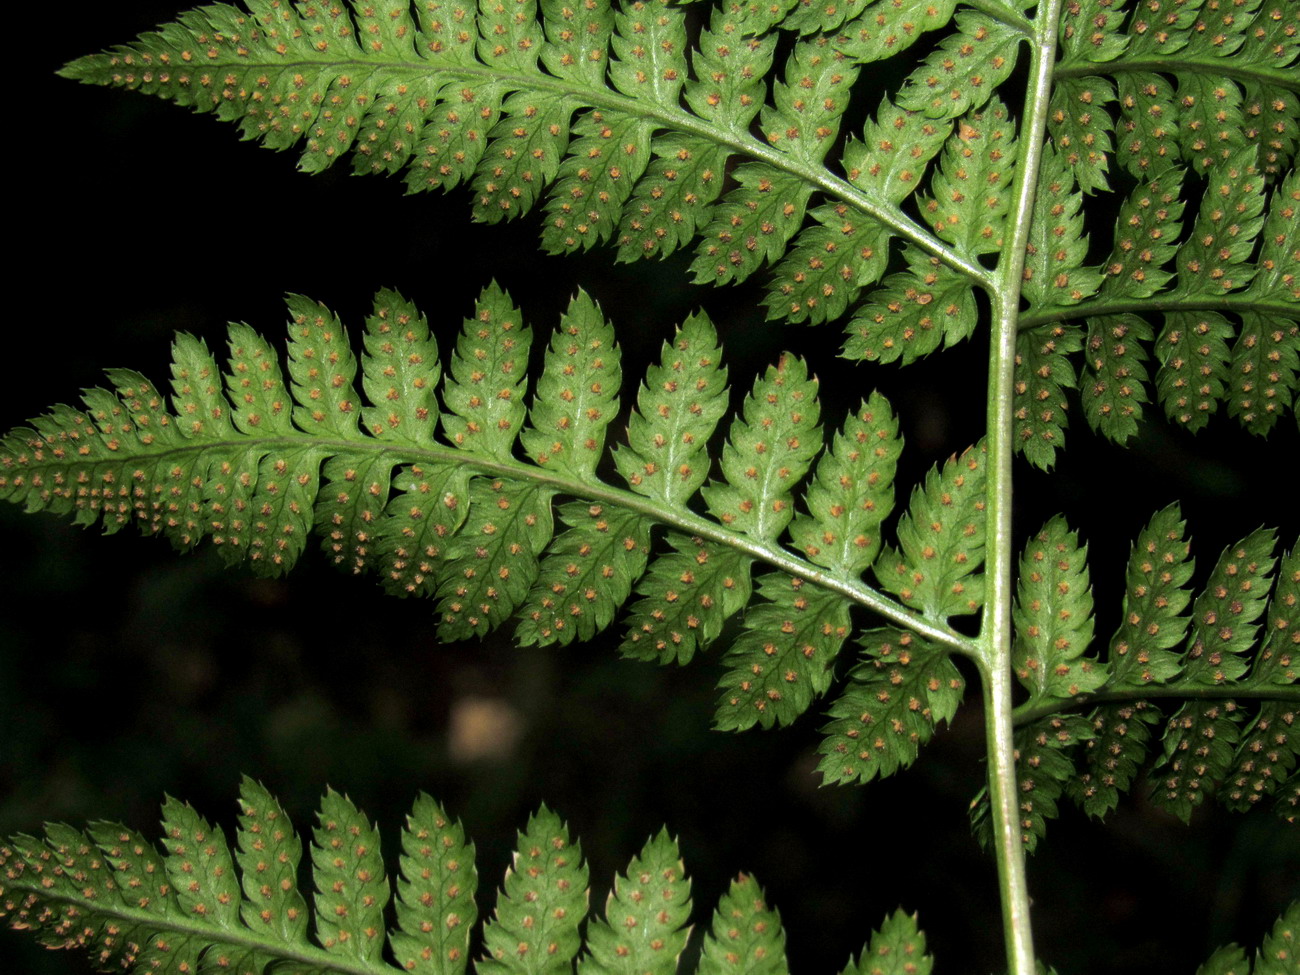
x,y
1029,712
996,630
1239,303
1214,67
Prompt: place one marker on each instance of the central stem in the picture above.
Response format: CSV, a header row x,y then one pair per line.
x,y
996,631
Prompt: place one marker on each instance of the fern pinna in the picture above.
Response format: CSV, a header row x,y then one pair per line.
x,y
461,504
636,138
198,905
1125,221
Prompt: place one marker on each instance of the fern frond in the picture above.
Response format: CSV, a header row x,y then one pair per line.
x,y
941,541
435,893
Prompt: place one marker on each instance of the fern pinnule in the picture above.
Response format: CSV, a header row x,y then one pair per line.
x,y
936,567
745,933
268,852
1053,617
541,905
894,701
645,927
898,948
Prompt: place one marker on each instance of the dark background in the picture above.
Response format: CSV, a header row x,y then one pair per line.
x,y
127,673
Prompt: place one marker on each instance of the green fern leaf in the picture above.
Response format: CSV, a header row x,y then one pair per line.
x,y
1278,272
428,505
803,119
1146,233
936,568
961,74
678,407
492,563
541,905
1226,612
896,698
200,866
1265,360
1194,363
877,31
1115,385
686,597
1114,388
1054,272
1091,30
1053,617
644,930
769,447
912,313
1278,953
852,492
606,114
752,225
890,159
1206,358
195,908
1269,748
1287,805
898,948
577,394
784,656
1149,142
727,89
1199,744
484,391
1266,754
671,203
268,853
1044,765
1215,259
351,889
104,896
586,575
435,893
1081,129
1200,740
1159,568
830,263
1189,76
1044,372
1228,960
972,184
1278,661
1113,755
747,937
480,544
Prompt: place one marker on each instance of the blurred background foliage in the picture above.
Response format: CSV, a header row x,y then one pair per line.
x,y
127,673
